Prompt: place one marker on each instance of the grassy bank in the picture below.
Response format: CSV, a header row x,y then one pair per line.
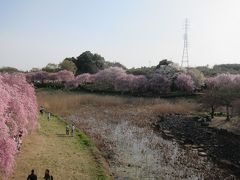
x,y
67,157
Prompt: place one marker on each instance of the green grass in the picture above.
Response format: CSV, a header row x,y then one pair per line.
x,y
67,157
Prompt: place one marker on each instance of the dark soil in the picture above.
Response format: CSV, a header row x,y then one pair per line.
x,y
221,146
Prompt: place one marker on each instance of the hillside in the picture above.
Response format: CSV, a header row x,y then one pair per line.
x,y
66,157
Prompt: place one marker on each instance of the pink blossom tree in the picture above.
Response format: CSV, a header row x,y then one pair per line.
x,y
37,76
52,77
45,77
159,84
123,82
223,90
139,84
105,79
81,79
226,90
64,76
18,111
236,107
84,78
169,70
236,84
210,98
184,83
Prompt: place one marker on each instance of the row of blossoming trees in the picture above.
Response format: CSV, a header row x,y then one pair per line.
x,y
18,112
221,90
166,79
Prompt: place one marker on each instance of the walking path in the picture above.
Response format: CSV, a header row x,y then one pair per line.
x,y
66,157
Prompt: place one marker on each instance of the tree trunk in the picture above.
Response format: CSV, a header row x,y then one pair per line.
x,y
228,115
232,112
212,111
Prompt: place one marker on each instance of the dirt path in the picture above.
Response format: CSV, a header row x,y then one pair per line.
x,y
233,125
66,157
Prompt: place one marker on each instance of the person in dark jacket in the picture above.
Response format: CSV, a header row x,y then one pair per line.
x,y
47,176
32,176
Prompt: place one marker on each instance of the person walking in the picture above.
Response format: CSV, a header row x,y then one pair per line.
x,y
32,176
49,115
41,109
19,142
67,130
72,129
47,175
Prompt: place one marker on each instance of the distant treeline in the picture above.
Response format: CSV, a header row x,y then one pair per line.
x,y
207,71
220,69
89,62
167,78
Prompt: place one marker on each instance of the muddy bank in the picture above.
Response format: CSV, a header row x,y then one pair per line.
x,y
221,146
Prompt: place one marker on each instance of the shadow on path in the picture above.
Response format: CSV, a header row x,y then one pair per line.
x,y
63,135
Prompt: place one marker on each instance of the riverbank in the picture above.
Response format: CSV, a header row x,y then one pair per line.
x,y
219,145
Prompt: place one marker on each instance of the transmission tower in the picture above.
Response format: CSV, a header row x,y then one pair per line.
x,y
185,60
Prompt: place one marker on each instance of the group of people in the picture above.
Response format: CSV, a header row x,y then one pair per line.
x,y
18,140
71,129
33,176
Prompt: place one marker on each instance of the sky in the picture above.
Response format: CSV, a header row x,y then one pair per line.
x,y
135,33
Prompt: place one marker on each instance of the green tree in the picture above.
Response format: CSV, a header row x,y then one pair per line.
x,y
35,69
197,77
68,65
164,62
109,64
88,62
146,71
208,72
51,67
9,69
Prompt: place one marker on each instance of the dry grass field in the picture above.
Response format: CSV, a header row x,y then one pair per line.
x,y
64,103
233,125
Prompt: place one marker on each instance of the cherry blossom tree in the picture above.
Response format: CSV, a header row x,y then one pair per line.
x,y
223,90
236,107
123,82
38,76
84,78
184,83
18,111
64,76
81,79
159,84
169,70
105,79
139,84
210,98
43,77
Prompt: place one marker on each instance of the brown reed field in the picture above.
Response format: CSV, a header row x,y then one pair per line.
x,y
64,103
